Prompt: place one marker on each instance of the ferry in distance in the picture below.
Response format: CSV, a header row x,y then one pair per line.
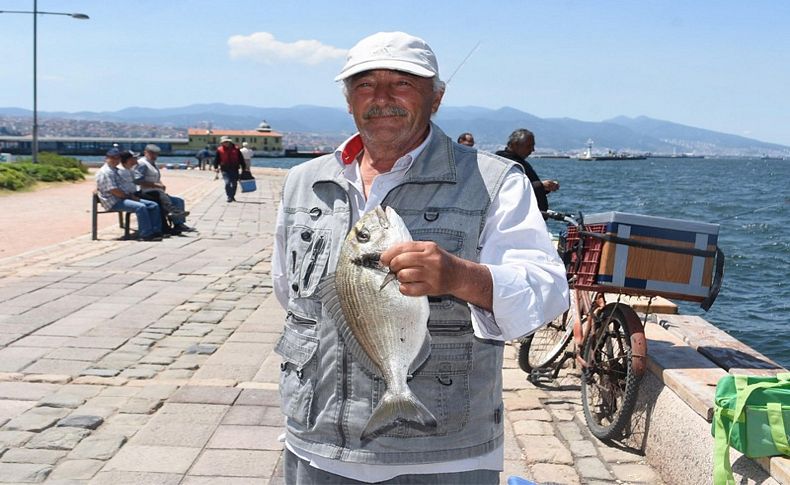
x,y
588,155
675,154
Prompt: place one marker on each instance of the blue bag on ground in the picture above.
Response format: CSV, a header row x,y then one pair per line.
x,y
247,182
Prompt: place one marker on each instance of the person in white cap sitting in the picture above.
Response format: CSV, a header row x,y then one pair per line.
x,y
481,253
149,178
230,162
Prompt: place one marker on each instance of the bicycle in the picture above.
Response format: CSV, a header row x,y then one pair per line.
x,y
609,343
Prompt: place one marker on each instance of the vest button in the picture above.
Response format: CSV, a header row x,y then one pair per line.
x,y
307,235
295,287
315,212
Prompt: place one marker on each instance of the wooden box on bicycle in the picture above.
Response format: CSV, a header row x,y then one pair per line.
x,y
646,255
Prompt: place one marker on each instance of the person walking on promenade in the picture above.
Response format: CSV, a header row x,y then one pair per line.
x,y
230,162
117,195
149,178
204,157
519,146
247,153
484,257
466,139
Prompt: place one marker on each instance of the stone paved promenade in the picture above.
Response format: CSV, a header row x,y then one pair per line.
x,y
126,362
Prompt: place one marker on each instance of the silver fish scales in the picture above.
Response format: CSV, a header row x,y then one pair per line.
x,y
391,328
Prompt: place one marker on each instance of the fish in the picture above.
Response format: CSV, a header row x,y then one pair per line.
x,y
390,327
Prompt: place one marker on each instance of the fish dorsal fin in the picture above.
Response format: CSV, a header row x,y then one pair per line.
x,y
331,303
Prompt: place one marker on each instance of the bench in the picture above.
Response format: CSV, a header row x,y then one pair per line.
x,y
122,221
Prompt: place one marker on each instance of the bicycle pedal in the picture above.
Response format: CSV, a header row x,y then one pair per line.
x,y
541,375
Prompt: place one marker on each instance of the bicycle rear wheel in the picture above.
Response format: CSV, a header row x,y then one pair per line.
x,y
609,384
542,348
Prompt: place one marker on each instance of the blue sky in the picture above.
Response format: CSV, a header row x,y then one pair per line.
x,y
721,65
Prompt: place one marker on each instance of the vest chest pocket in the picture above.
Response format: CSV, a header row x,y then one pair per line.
x,y
298,374
442,384
450,240
308,255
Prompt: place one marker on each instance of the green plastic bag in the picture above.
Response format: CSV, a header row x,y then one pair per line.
x,y
751,414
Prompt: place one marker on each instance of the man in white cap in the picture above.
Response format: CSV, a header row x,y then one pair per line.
x,y
230,162
149,178
481,254
247,153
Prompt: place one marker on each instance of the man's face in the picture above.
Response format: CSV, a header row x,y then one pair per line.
x,y
525,148
129,163
152,156
113,161
392,107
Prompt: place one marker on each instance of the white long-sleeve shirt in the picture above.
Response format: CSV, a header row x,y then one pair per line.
x,y
529,286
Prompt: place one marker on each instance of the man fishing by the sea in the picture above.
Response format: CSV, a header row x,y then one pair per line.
x,y
481,254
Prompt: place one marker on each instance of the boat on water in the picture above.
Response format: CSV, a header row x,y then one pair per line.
x,y
294,153
770,157
685,155
610,155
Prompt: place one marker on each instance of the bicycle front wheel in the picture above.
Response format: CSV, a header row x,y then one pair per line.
x,y
609,384
542,348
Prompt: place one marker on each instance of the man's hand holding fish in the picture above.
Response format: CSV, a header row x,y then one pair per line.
x,y
424,268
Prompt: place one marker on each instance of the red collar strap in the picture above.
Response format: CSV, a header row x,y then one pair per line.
x,y
352,149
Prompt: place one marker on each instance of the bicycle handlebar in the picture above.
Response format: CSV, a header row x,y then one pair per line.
x,y
562,216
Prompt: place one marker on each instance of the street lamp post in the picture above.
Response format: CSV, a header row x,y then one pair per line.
x,y
36,13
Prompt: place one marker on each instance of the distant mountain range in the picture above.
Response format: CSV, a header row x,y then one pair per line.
x,y
490,127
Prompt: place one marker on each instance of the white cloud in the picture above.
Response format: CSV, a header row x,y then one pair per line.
x,y
263,47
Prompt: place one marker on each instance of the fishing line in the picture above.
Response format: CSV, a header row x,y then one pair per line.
x,y
759,209
463,62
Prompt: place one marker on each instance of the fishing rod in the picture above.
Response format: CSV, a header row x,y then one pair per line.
x,y
463,62
759,209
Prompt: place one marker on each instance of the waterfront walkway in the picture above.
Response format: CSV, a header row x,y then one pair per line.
x,y
126,362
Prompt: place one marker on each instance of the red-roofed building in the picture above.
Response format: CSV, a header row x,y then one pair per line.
x,y
264,141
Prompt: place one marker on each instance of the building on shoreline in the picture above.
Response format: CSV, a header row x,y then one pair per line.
x,y
264,141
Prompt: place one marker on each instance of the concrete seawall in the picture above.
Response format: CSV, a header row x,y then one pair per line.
x,y
131,362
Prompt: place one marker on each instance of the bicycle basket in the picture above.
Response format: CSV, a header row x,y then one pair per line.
x,y
583,271
649,256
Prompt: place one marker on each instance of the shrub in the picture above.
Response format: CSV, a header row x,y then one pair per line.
x,y
18,175
13,179
49,158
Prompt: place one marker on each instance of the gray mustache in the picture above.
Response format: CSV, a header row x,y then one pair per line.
x,y
377,112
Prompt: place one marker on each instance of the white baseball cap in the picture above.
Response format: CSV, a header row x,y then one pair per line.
x,y
397,51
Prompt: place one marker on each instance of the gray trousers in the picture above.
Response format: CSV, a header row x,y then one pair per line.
x,y
299,472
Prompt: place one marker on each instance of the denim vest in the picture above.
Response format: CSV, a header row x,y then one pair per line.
x,y
328,395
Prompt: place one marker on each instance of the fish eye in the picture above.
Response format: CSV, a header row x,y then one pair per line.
x,y
363,236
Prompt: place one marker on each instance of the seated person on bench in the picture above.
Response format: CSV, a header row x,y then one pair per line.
x,y
115,195
128,172
148,177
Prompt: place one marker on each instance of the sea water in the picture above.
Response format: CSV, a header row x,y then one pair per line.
x,y
750,199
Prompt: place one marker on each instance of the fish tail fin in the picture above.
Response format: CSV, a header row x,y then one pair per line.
x,y
395,407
